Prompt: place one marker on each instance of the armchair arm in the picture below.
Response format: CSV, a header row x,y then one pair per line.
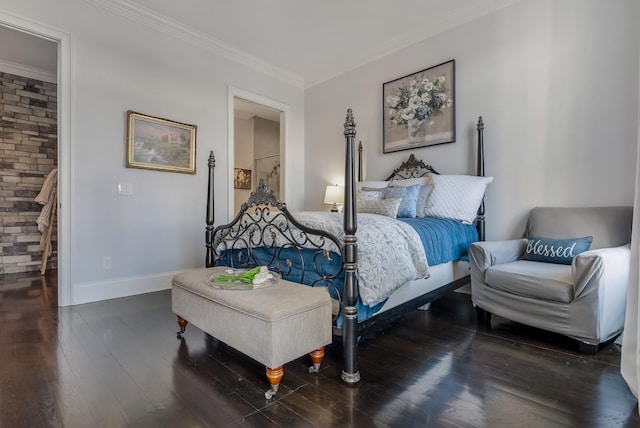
x,y
488,253
603,267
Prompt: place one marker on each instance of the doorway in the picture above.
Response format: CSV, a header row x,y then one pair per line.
x,y
257,146
28,103
59,43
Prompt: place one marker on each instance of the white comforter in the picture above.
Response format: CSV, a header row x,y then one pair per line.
x,y
390,252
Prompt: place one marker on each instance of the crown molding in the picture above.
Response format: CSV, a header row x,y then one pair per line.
x,y
194,37
26,71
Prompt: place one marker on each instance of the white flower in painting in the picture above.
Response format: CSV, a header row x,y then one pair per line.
x,y
393,100
418,99
407,115
414,102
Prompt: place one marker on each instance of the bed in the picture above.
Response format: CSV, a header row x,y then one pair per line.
x,y
370,285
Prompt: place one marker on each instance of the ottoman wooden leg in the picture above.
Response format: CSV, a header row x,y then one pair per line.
x,y
274,376
316,359
183,325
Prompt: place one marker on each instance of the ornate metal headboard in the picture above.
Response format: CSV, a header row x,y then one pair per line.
x,y
411,168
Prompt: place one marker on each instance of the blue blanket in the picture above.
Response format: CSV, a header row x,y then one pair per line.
x,y
444,240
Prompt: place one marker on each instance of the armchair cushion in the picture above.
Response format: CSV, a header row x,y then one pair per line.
x,y
547,281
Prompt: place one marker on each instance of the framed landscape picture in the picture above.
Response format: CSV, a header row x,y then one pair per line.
x,y
419,109
160,144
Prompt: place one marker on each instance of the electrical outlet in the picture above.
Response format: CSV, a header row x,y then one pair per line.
x,y
106,262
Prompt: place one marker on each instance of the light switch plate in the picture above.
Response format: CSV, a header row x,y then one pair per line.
x,y
125,188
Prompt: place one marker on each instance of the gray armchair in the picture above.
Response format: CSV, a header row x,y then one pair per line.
x,y
584,300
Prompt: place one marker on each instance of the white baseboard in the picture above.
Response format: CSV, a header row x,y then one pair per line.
x,y
120,287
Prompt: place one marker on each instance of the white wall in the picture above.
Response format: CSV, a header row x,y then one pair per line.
x,y
556,83
116,65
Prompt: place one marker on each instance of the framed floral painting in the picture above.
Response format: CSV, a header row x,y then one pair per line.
x,y
418,110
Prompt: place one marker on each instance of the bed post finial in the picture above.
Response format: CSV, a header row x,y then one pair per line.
x,y
210,212
349,125
350,373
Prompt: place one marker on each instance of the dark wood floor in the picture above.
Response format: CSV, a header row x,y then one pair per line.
x,y
118,363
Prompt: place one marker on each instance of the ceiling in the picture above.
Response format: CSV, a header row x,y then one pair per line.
x,y
317,40
304,41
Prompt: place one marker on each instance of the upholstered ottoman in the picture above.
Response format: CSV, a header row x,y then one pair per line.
x,y
273,325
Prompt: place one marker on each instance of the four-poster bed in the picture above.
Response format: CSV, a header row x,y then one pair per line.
x,y
309,248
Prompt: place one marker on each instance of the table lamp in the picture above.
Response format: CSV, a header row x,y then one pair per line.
x,y
334,195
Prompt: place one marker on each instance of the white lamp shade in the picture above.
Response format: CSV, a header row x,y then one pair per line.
x,y
334,195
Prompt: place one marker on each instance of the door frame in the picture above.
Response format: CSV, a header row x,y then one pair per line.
x,y
63,79
285,131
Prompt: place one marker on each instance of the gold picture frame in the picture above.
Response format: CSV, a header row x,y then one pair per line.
x,y
160,144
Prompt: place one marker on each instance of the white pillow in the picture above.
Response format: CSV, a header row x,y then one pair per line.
x,y
407,182
386,207
423,197
372,184
371,195
456,196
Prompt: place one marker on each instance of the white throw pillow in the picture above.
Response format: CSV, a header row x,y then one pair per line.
x,y
371,195
386,207
372,184
408,182
423,197
456,196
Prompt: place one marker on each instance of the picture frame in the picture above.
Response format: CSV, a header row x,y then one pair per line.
x,y
418,110
242,179
160,144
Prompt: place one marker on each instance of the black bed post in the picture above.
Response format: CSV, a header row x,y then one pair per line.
x,y
350,373
359,160
210,214
480,172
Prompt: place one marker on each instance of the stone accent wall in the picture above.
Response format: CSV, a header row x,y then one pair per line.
x,y
28,152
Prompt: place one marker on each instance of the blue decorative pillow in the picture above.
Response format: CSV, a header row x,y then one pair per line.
x,y
560,251
409,197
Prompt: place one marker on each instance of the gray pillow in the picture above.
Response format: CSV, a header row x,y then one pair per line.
x,y
421,203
